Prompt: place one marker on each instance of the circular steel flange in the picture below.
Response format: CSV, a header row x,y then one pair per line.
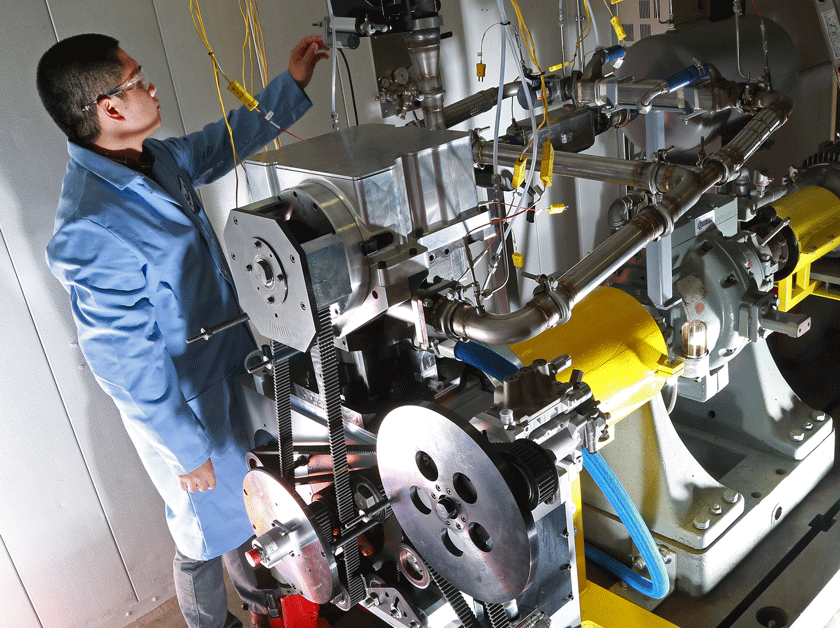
x,y
312,570
442,479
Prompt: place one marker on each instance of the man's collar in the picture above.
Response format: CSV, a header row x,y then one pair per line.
x,y
117,174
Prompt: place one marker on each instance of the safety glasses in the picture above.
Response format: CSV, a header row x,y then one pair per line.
x,y
139,81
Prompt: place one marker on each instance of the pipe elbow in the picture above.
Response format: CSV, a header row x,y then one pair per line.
x,y
779,102
461,321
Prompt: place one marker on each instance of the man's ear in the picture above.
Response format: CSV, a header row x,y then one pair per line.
x,y
112,108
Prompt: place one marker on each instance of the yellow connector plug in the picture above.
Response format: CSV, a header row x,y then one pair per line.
x,y
556,208
559,66
614,1
237,90
547,164
518,260
519,172
480,69
618,28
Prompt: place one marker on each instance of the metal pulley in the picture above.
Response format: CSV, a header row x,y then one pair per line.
x,y
293,538
464,503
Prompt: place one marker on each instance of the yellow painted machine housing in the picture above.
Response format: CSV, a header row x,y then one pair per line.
x,y
814,214
617,344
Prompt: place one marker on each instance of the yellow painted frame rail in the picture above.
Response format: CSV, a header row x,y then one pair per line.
x,y
814,214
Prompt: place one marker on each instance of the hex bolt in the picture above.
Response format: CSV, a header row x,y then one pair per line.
x,y
666,555
807,426
639,563
797,436
818,416
716,509
702,522
730,496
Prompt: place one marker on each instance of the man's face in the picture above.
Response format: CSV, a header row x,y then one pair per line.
x,y
139,107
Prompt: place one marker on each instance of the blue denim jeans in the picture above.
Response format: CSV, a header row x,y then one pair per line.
x,y
200,588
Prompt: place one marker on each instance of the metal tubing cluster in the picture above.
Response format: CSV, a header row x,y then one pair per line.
x,y
680,187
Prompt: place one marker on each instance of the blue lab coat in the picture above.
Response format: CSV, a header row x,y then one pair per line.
x,y
145,271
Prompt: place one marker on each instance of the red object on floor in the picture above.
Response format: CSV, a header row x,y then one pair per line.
x,y
298,612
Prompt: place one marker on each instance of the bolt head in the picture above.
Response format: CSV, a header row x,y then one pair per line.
x,y
797,436
702,522
807,425
730,496
716,509
639,564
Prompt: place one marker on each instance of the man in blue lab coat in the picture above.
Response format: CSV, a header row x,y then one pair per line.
x,y
134,248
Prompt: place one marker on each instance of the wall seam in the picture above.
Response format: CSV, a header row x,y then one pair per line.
x,y
67,414
22,586
52,20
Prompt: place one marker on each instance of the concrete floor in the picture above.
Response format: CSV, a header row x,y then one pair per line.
x,y
168,615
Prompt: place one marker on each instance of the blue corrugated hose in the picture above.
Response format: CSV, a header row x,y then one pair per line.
x,y
499,367
657,587
485,359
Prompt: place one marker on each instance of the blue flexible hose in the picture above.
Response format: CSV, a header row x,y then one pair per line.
x,y
497,366
657,587
485,359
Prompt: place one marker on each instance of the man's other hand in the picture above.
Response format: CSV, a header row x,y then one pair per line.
x,y
201,479
304,57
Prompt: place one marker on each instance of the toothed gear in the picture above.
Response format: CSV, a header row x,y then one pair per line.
x,y
536,464
322,517
829,153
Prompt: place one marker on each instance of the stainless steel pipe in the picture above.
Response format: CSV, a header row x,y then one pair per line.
x,y
424,50
553,302
479,102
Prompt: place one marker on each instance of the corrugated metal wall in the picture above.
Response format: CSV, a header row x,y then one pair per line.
x,y
83,541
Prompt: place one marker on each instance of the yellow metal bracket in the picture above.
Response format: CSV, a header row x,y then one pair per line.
x,y
814,214
666,367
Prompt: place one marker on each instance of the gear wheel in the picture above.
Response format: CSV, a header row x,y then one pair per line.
x,y
829,153
536,466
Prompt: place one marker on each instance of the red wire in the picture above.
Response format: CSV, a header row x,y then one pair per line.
x,y
757,11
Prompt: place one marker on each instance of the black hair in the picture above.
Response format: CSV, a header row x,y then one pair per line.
x,y
73,73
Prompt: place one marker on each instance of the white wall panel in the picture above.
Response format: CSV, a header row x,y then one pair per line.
x,y
15,608
51,522
100,485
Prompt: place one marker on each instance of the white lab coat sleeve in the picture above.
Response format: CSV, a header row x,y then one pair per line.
x,y
122,343
206,155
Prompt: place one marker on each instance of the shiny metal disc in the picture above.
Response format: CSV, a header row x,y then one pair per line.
x,y
313,571
446,491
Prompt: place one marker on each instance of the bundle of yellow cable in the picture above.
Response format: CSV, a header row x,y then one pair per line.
x,y
198,23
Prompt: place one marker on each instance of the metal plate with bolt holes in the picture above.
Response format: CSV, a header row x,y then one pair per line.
x,y
453,503
271,277
313,571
